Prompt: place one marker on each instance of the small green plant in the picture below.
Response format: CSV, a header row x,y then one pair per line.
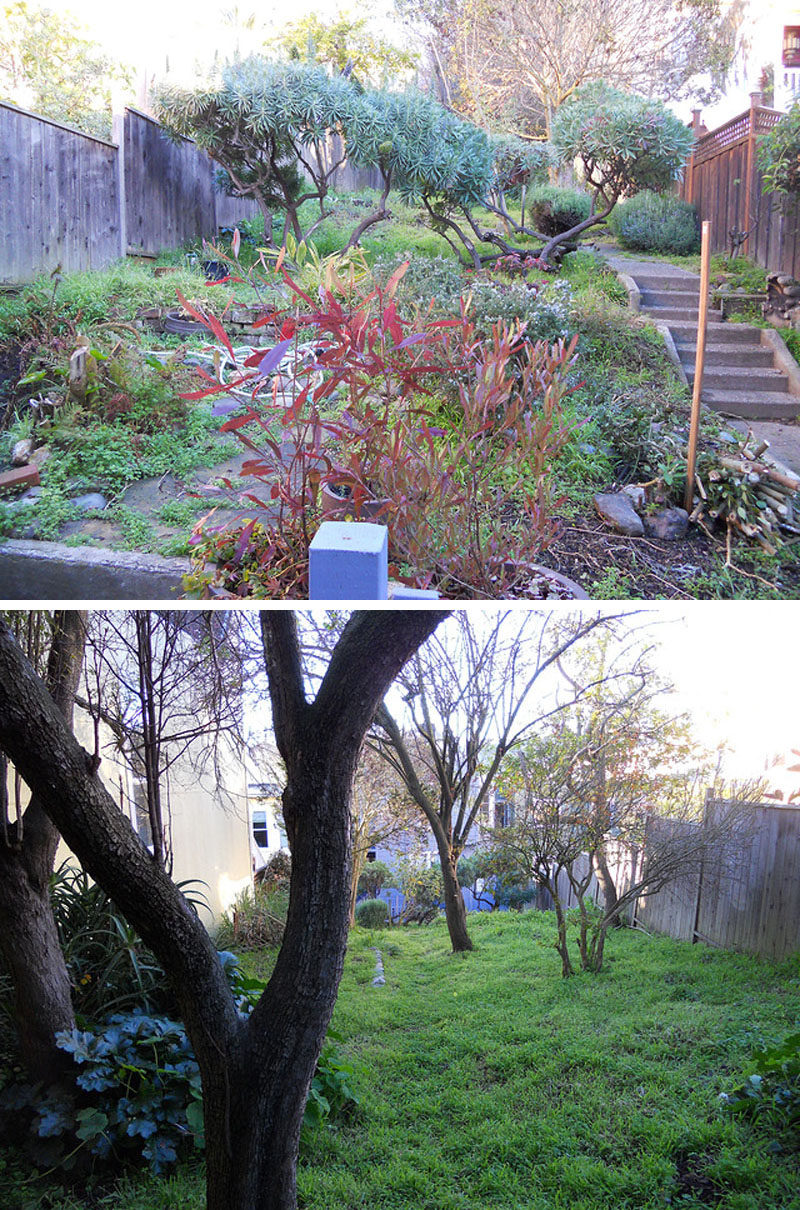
x,y
656,222
770,1096
372,913
332,1093
613,585
110,968
135,1093
554,209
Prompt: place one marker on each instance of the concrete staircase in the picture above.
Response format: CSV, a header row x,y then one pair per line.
x,y
740,377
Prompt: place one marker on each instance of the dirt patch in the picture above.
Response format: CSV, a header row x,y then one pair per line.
x,y
691,1180
648,569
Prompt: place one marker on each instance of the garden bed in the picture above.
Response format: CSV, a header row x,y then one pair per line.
x,y
159,460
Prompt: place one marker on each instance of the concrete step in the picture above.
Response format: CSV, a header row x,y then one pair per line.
x,y
744,356
660,281
671,298
756,405
754,381
684,332
681,314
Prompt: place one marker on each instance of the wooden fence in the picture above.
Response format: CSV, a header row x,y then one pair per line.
x,y
72,200
59,197
67,198
723,181
745,898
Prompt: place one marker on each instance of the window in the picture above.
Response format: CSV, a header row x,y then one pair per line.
x,y
503,812
791,46
260,830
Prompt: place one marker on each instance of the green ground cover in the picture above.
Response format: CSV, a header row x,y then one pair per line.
x,y
487,1081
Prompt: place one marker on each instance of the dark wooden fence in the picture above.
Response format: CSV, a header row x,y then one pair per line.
x,y
747,898
59,197
723,181
77,201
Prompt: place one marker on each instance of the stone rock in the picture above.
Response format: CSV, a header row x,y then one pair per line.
x,y
793,291
617,510
40,455
638,496
670,525
21,452
783,279
89,501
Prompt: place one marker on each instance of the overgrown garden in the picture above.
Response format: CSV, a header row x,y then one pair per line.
x,y
438,354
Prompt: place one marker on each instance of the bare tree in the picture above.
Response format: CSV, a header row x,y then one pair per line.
x,y
169,686
381,811
471,696
615,780
256,1071
516,64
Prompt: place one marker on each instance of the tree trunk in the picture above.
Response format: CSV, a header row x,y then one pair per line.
x,y
454,909
357,868
251,1164
33,957
28,935
255,1074
562,948
607,886
594,958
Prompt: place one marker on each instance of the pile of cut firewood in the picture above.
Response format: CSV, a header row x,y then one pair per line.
x,y
749,491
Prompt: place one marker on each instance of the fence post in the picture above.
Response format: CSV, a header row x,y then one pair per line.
x,y
118,136
699,362
696,925
755,101
689,185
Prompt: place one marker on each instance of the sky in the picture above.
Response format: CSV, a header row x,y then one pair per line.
x,y
150,33
735,666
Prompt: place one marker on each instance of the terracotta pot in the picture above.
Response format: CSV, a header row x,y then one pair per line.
x,y
337,505
543,583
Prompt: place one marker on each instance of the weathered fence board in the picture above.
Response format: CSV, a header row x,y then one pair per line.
x,y
746,896
67,198
169,188
59,198
61,194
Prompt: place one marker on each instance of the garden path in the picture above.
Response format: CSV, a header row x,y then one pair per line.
x,y
745,374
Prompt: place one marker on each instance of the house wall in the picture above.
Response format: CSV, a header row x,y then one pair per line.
x,y
208,821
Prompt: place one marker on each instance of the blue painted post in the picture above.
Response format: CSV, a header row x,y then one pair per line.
x,y
349,561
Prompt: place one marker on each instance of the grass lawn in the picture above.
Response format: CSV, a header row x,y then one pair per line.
x,y
489,1083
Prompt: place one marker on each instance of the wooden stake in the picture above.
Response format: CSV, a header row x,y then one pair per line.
x,y
699,363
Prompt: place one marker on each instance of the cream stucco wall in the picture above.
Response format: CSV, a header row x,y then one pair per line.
x,y
207,818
